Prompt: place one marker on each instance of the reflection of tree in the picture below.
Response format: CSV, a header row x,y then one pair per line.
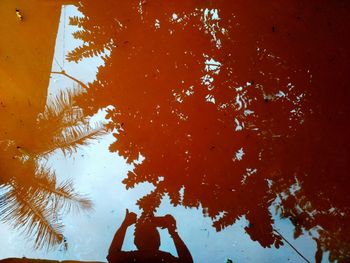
x,y
64,126
36,205
191,90
95,41
31,199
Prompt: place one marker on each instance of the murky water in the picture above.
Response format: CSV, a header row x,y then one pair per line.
x,y
174,131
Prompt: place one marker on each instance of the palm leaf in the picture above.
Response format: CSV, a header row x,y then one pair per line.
x,y
63,196
74,137
64,126
25,210
36,204
61,105
31,199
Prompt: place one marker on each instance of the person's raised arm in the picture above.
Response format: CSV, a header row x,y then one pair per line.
x,y
117,243
181,248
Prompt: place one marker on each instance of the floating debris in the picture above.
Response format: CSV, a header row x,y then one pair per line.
x,y
19,15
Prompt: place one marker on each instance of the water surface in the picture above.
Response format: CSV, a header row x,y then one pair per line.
x,y
232,117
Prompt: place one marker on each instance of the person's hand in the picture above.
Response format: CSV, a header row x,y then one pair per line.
x,y
130,218
169,222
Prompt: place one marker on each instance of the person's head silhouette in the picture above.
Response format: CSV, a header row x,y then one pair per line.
x,y
147,240
146,236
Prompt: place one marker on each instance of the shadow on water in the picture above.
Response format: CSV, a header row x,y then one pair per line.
x,y
147,241
234,107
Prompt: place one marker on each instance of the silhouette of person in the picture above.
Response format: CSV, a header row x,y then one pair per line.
x,y
147,241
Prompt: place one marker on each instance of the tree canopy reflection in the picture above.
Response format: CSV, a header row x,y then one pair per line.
x,y
231,107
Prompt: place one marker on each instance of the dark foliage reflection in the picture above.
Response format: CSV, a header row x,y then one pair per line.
x,y
231,105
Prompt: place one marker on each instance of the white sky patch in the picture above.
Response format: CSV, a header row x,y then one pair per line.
x,y
178,97
248,112
239,155
239,126
280,94
210,20
214,13
211,65
84,71
160,179
269,183
207,80
290,86
242,101
183,19
189,91
157,24
210,98
212,68
239,102
100,116
248,173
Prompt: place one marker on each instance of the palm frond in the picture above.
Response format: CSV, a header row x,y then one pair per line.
x,y
59,114
64,126
62,196
31,213
74,137
58,105
35,206
32,200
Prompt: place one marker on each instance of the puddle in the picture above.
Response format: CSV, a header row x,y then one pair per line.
x,y
212,132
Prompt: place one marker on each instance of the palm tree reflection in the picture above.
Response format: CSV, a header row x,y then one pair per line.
x,y
31,199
